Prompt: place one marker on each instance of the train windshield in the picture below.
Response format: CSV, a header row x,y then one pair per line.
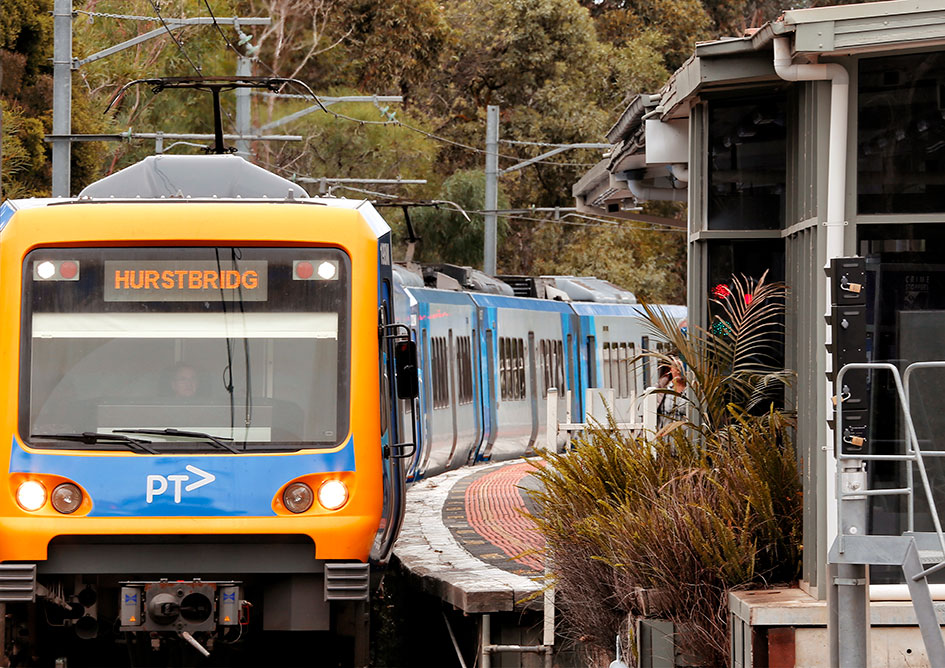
x,y
189,349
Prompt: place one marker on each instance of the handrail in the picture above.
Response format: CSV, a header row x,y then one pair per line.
x,y
912,454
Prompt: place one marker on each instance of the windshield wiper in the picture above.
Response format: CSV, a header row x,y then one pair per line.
x,y
93,437
170,431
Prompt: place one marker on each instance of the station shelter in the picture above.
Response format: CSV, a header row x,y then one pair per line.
x,y
819,135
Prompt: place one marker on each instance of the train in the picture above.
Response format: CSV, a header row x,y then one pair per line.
x,y
217,390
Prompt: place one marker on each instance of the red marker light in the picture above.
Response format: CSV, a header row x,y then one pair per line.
x,y
68,269
721,291
304,270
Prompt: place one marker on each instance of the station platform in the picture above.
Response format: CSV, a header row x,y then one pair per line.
x,y
467,539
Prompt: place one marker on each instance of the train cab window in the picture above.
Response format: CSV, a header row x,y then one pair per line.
x,y
247,344
441,389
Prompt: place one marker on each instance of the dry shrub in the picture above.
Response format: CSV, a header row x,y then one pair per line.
x,y
664,528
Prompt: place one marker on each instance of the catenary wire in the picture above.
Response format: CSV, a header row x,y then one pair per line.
x,y
173,36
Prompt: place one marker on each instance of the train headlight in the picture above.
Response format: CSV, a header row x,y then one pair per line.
x,y
31,495
298,497
66,498
45,270
333,494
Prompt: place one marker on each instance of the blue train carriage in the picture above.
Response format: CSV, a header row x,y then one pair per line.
x,y
446,324
274,477
613,336
528,346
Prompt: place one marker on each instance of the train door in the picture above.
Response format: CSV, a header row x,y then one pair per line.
x,y
491,395
591,360
475,392
427,412
451,369
574,377
532,389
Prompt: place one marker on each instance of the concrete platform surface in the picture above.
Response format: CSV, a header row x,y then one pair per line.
x,y
468,540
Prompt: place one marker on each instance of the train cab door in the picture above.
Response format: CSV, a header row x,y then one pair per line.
x,y
394,483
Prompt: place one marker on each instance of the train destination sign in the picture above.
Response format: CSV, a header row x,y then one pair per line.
x,y
185,280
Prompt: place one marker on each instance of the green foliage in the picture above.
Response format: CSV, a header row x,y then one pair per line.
x,y
24,156
651,263
664,524
26,29
447,235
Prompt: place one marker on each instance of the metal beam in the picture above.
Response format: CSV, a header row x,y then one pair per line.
x,y
548,154
172,24
127,136
325,101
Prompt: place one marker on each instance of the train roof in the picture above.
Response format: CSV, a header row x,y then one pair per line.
x,y
226,176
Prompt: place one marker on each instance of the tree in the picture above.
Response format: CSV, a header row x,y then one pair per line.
x,y
447,234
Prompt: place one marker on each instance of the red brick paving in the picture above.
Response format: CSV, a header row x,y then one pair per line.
x,y
495,510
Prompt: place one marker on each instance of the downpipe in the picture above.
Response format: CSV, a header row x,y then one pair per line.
x,y
855,650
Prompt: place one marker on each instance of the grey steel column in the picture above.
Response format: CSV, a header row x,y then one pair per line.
x,y
851,581
62,96
492,187
243,115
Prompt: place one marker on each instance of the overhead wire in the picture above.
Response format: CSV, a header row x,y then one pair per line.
x,y
170,33
220,30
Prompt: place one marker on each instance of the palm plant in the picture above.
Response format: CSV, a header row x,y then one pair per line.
x,y
734,362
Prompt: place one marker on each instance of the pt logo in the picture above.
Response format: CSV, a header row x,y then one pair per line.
x,y
158,484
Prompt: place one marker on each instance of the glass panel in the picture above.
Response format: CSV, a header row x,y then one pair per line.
x,y
905,317
213,340
747,163
901,134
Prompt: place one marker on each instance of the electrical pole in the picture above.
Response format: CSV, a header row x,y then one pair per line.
x,y
492,179
62,96
492,188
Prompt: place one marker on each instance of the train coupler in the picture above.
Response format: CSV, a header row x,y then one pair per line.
x,y
180,605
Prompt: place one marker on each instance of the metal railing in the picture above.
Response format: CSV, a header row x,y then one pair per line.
x,y
913,455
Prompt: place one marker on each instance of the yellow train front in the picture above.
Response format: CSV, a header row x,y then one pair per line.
x,y
198,401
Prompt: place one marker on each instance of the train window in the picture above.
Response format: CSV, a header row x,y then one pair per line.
x,y
503,381
632,369
441,393
464,369
250,344
543,368
622,369
512,368
559,366
520,368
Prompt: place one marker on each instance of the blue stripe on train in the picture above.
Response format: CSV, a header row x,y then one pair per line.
x,y
240,485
